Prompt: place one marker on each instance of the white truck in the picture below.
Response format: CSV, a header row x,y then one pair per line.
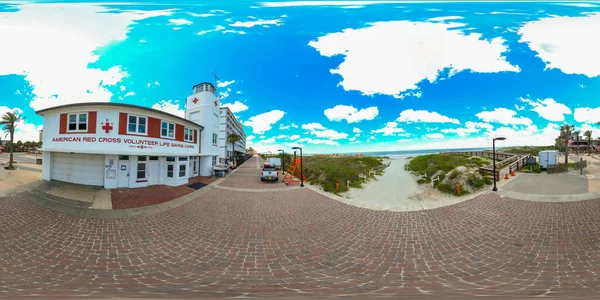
x,y
275,162
548,158
269,173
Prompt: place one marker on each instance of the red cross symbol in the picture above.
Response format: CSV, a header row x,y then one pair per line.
x,y
195,100
107,128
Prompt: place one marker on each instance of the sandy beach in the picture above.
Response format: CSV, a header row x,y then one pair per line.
x,y
397,190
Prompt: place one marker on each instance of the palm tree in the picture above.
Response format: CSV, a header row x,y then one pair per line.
x,y
9,123
588,135
233,138
566,131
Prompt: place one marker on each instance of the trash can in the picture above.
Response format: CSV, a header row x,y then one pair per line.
x,y
38,161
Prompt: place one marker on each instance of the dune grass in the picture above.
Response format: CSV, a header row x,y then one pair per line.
x,y
531,150
445,162
327,170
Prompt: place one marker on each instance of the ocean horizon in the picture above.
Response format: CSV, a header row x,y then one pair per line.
x,y
404,153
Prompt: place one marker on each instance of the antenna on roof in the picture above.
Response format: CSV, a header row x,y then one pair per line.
x,y
215,78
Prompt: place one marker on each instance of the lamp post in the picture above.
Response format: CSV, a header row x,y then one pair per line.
x,y
282,159
301,168
494,158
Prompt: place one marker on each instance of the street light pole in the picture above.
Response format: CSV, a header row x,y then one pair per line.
x,y
495,189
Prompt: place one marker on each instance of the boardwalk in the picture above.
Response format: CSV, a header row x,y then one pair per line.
x,y
231,242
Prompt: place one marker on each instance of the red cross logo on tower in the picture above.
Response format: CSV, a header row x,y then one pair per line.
x,y
107,127
195,100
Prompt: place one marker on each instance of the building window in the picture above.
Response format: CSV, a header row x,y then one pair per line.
x,y
167,129
182,170
170,171
183,159
77,122
214,140
136,124
153,158
141,169
123,157
214,162
170,158
188,134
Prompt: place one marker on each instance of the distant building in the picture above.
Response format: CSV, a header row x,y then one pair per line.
x,y
228,124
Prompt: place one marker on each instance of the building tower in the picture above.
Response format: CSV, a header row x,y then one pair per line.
x,y
202,107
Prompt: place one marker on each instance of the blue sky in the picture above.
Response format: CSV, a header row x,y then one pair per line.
x,y
332,76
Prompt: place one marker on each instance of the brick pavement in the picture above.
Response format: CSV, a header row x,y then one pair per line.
x,y
123,198
300,243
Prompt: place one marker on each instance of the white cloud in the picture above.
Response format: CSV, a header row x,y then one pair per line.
x,y
225,83
294,125
352,139
517,107
318,141
584,5
330,134
324,3
248,24
371,138
434,136
404,140
234,31
23,131
351,114
356,130
470,127
566,43
59,74
217,28
130,94
157,83
503,116
441,19
390,129
374,63
249,138
353,6
122,88
236,106
263,122
321,132
294,137
587,115
170,106
180,22
549,109
423,116
142,41
282,127
313,126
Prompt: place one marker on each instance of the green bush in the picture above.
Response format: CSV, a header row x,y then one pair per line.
x,y
476,182
531,150
487,180
447,188
453,175
444,162
327,170
424,180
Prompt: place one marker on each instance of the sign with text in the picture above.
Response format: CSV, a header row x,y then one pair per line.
x,y
140,143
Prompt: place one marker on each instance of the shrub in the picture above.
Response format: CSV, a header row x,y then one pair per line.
x,y
424,180
476,182
487,180
447,188
453,175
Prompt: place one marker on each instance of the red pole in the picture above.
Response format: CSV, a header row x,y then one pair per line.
x,y
337,186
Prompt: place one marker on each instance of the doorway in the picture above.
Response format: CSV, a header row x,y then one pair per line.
x,y
123,171
153,171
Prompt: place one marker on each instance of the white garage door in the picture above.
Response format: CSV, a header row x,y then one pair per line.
x,y
78,168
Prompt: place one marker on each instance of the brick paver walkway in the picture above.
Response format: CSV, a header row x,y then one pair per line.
x,y
228,243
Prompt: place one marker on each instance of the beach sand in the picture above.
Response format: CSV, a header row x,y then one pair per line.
x,y
397,190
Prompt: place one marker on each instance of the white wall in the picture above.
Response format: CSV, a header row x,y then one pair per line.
x,y
111,143
205,111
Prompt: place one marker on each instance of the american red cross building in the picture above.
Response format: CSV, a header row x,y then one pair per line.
x,y
120,145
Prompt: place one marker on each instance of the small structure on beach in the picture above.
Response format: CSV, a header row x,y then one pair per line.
x,y
548,158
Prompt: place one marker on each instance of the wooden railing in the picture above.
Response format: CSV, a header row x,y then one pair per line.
x,y
514,162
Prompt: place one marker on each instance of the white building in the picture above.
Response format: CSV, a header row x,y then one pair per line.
x,y
119,145
228,124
